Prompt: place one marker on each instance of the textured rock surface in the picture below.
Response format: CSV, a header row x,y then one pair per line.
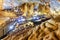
x,y
48,30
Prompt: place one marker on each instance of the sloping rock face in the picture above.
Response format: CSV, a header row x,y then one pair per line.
x,y
1,2
48,30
